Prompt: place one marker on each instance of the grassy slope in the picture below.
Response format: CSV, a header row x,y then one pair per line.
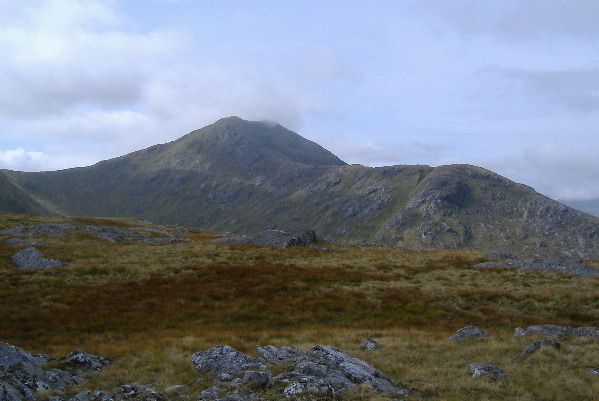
x,y
152,306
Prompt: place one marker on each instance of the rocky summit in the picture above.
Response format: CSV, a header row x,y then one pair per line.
x,y
246,177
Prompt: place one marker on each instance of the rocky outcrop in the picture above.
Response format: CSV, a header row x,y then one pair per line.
x,y
23,374
323,371
562,264
469,332
31,259
276,238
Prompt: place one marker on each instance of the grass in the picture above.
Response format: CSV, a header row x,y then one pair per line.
x,y
151,306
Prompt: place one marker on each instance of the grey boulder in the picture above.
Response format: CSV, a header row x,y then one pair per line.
x,y
31,259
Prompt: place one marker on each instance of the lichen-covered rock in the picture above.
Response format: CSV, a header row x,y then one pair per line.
x,y
22,374
370,345
324,372
342,367
280,356
469,332
32,258
80,363
223,359
486,370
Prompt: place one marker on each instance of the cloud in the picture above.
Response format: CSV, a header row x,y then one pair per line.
x,y
517,20
77,75
557,171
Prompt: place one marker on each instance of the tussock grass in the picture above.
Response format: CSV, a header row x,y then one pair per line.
x,y
151,306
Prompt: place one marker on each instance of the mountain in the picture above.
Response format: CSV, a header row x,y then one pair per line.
x,y
243,176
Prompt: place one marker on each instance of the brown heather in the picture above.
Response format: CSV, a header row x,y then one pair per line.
x,y
152,306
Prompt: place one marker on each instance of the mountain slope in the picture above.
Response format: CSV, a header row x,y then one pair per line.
x,y
242,176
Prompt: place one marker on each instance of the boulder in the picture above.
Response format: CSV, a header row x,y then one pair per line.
x,y
275,238
280,356
323,371
469,332
223,359
31,259
535,346
81,363
341,368
22,374
370,345
486,370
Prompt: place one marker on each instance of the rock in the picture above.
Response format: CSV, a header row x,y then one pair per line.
x,y
369,345
486,370
469,332
550,330
305,385
561,264
223,359
535,346
81,363
137,234
22,375
45,229
137,393
19,242
321,372
342,367
586,332
499,255
280,356
256,379
31,258
275,238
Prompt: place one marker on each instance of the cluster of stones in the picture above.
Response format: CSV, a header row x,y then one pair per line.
x,y
545,330
22,374
323,371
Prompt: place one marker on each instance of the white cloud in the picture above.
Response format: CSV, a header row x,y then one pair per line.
x,y
517,20
554,170
75,75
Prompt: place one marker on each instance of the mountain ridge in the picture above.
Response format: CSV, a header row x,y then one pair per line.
x,y
246,176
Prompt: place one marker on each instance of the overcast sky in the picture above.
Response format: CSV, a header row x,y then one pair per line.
x,y
511,85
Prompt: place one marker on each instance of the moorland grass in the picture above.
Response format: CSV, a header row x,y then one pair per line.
x,y
150,306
